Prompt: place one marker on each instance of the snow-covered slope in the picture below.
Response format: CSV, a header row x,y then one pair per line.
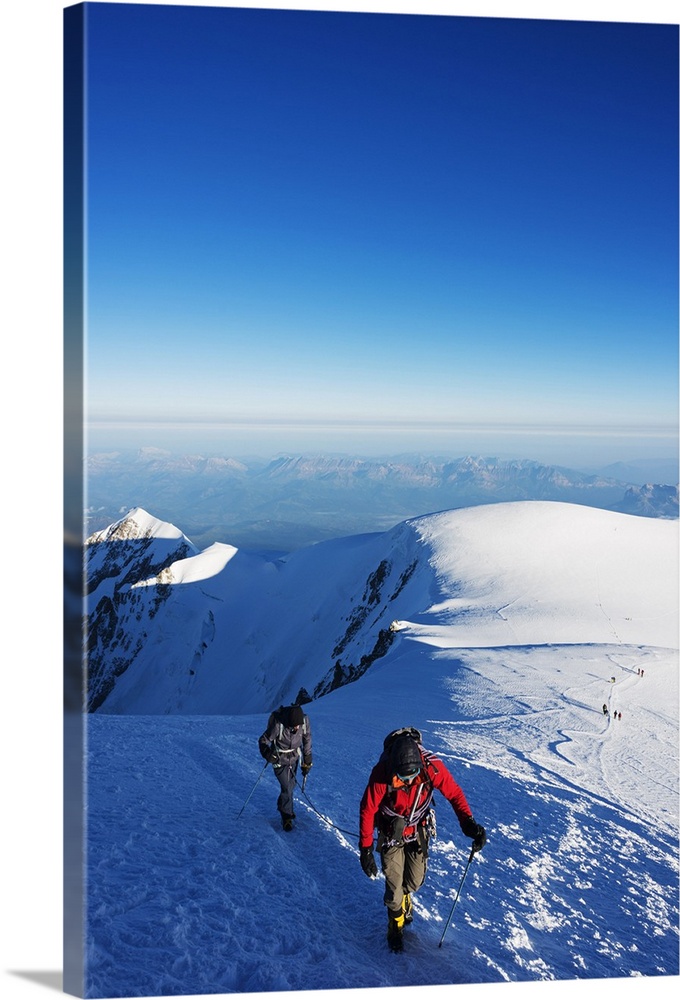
x,y
514,626
190,894
550,573
222,630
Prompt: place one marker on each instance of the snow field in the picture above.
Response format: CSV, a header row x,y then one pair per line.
x,y
515,624
578,879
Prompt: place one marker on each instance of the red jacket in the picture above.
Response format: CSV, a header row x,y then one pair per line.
x,y
385,792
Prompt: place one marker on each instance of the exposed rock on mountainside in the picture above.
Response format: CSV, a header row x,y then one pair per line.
x,y
134,550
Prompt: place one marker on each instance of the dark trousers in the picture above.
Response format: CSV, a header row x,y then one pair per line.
x,y
404,867
286,774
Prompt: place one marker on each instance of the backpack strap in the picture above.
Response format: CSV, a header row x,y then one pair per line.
x,y
282,727
279,734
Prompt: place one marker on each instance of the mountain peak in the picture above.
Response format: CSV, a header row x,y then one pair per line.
x,y
137,523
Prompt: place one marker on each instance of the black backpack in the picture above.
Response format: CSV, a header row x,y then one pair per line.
x,y
393,824
393,739
411,731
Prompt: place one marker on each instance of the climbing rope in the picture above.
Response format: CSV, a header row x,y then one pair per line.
x,y
320,815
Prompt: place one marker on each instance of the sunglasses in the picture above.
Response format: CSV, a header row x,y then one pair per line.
x,y
408,777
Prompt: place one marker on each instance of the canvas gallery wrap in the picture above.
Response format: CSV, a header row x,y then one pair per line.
x,y
371,494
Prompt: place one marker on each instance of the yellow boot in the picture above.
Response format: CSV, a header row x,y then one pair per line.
x,y
407,908
395,931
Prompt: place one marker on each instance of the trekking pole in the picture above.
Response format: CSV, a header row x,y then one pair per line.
x,y
253,788
455,902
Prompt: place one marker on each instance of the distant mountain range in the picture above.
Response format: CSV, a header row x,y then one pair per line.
x,y
650,501
292,501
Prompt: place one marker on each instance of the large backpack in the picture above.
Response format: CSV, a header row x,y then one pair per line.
x,y
423,819
393,740
411,731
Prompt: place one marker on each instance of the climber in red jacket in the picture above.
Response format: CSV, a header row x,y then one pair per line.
x,y
397,803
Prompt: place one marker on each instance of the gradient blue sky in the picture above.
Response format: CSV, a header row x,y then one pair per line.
x,y
369,232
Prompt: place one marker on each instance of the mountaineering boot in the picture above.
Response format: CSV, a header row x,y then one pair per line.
x,y
407,907
395,931
287,821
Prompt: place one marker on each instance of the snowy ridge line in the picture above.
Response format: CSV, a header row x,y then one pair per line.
x,y
243,633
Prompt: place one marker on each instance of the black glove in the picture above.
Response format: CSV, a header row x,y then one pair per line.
x,y
473,830
480,839
269,754
368,862
306,768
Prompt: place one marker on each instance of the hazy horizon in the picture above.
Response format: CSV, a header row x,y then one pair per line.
x,y
589,449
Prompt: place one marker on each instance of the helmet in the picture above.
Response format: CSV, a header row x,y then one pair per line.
x,y
405,759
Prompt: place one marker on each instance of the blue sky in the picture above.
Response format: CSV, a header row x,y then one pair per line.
x,y
374,231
